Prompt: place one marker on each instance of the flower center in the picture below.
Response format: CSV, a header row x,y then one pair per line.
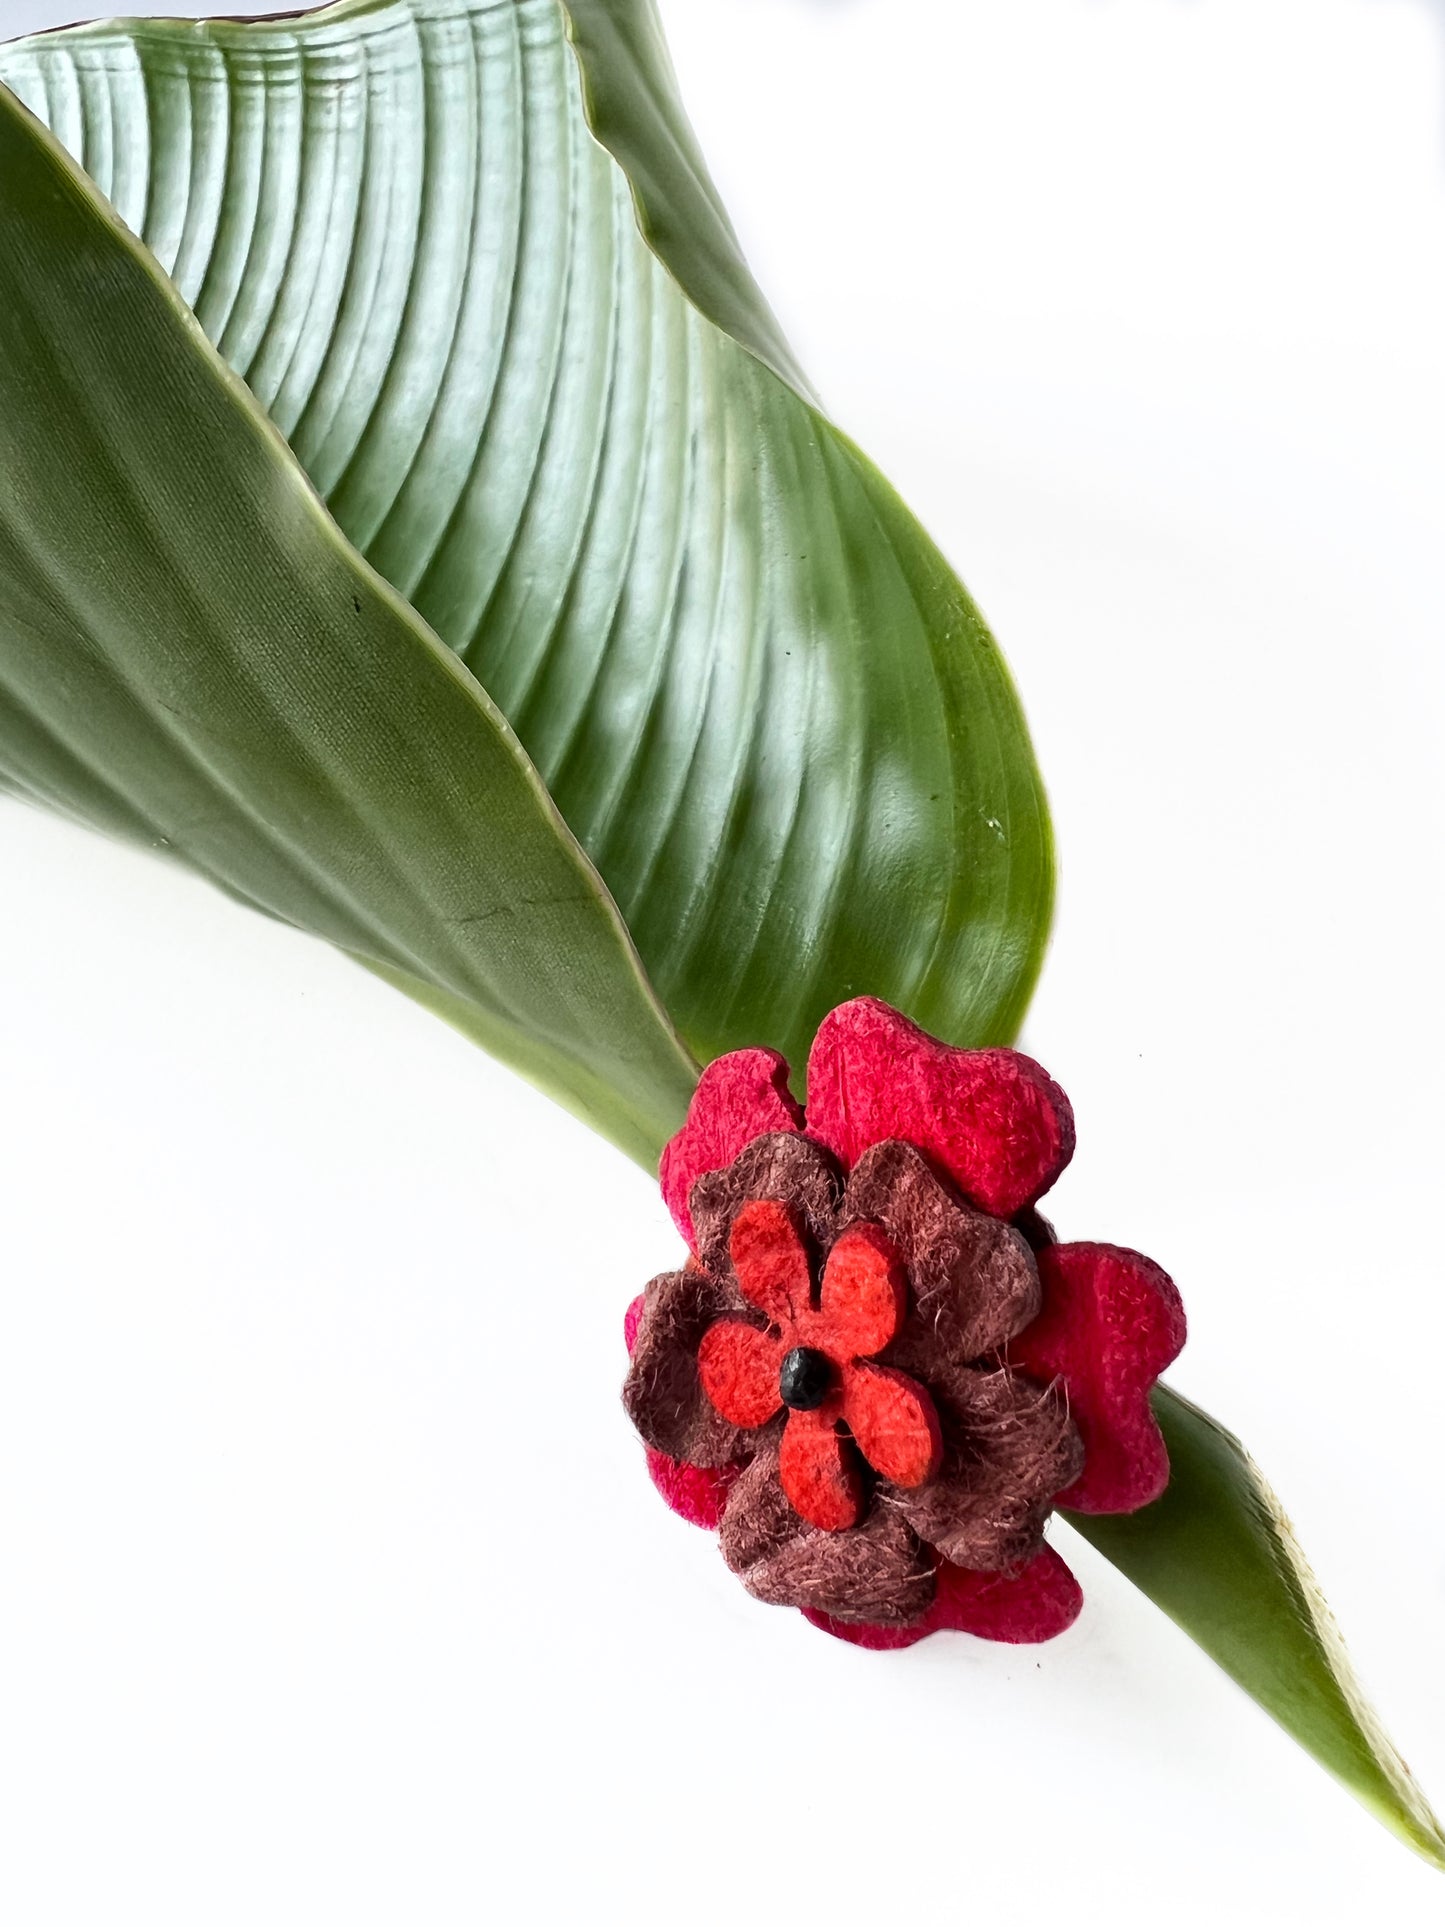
x,y
805,1379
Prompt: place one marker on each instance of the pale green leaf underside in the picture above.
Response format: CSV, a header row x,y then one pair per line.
x,y
762,702
1217,1553
192,657
636,111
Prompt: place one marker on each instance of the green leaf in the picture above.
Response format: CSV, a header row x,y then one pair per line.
x,y
1217,1553
761,700
192,657
635,110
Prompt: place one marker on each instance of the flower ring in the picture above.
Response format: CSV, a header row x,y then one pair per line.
x,y
878,1373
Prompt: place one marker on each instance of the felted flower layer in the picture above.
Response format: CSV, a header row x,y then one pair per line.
x,y
878,1374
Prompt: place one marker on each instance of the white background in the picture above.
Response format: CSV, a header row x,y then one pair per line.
x,y
331,1587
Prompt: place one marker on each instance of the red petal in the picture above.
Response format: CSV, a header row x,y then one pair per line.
x,y
992,1119
817,1471
771,1261
864,1295
894,1423
738,1368
697,1492
632,1322
1111,1321
1038,1602
738,1098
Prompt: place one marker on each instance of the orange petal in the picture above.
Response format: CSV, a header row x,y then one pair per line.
x,y
817,1472
864,1295
771,1261
738,1367
893,1419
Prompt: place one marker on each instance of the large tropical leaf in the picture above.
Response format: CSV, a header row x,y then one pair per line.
x,y
192,657
635,110
766,706
1217,1553
759,697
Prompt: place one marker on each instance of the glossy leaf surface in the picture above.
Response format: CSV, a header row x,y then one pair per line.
x,y
1217,1553
191,657
761,700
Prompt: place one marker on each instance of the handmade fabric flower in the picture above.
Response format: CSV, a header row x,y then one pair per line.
x,y
878,1373
815,1361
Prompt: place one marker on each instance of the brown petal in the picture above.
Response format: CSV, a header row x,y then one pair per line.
x,y
758,1521
662,1393
780,1165
875,1573
1009,1447
974,1279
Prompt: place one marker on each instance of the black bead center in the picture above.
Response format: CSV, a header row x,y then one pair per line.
x,y
805,1380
